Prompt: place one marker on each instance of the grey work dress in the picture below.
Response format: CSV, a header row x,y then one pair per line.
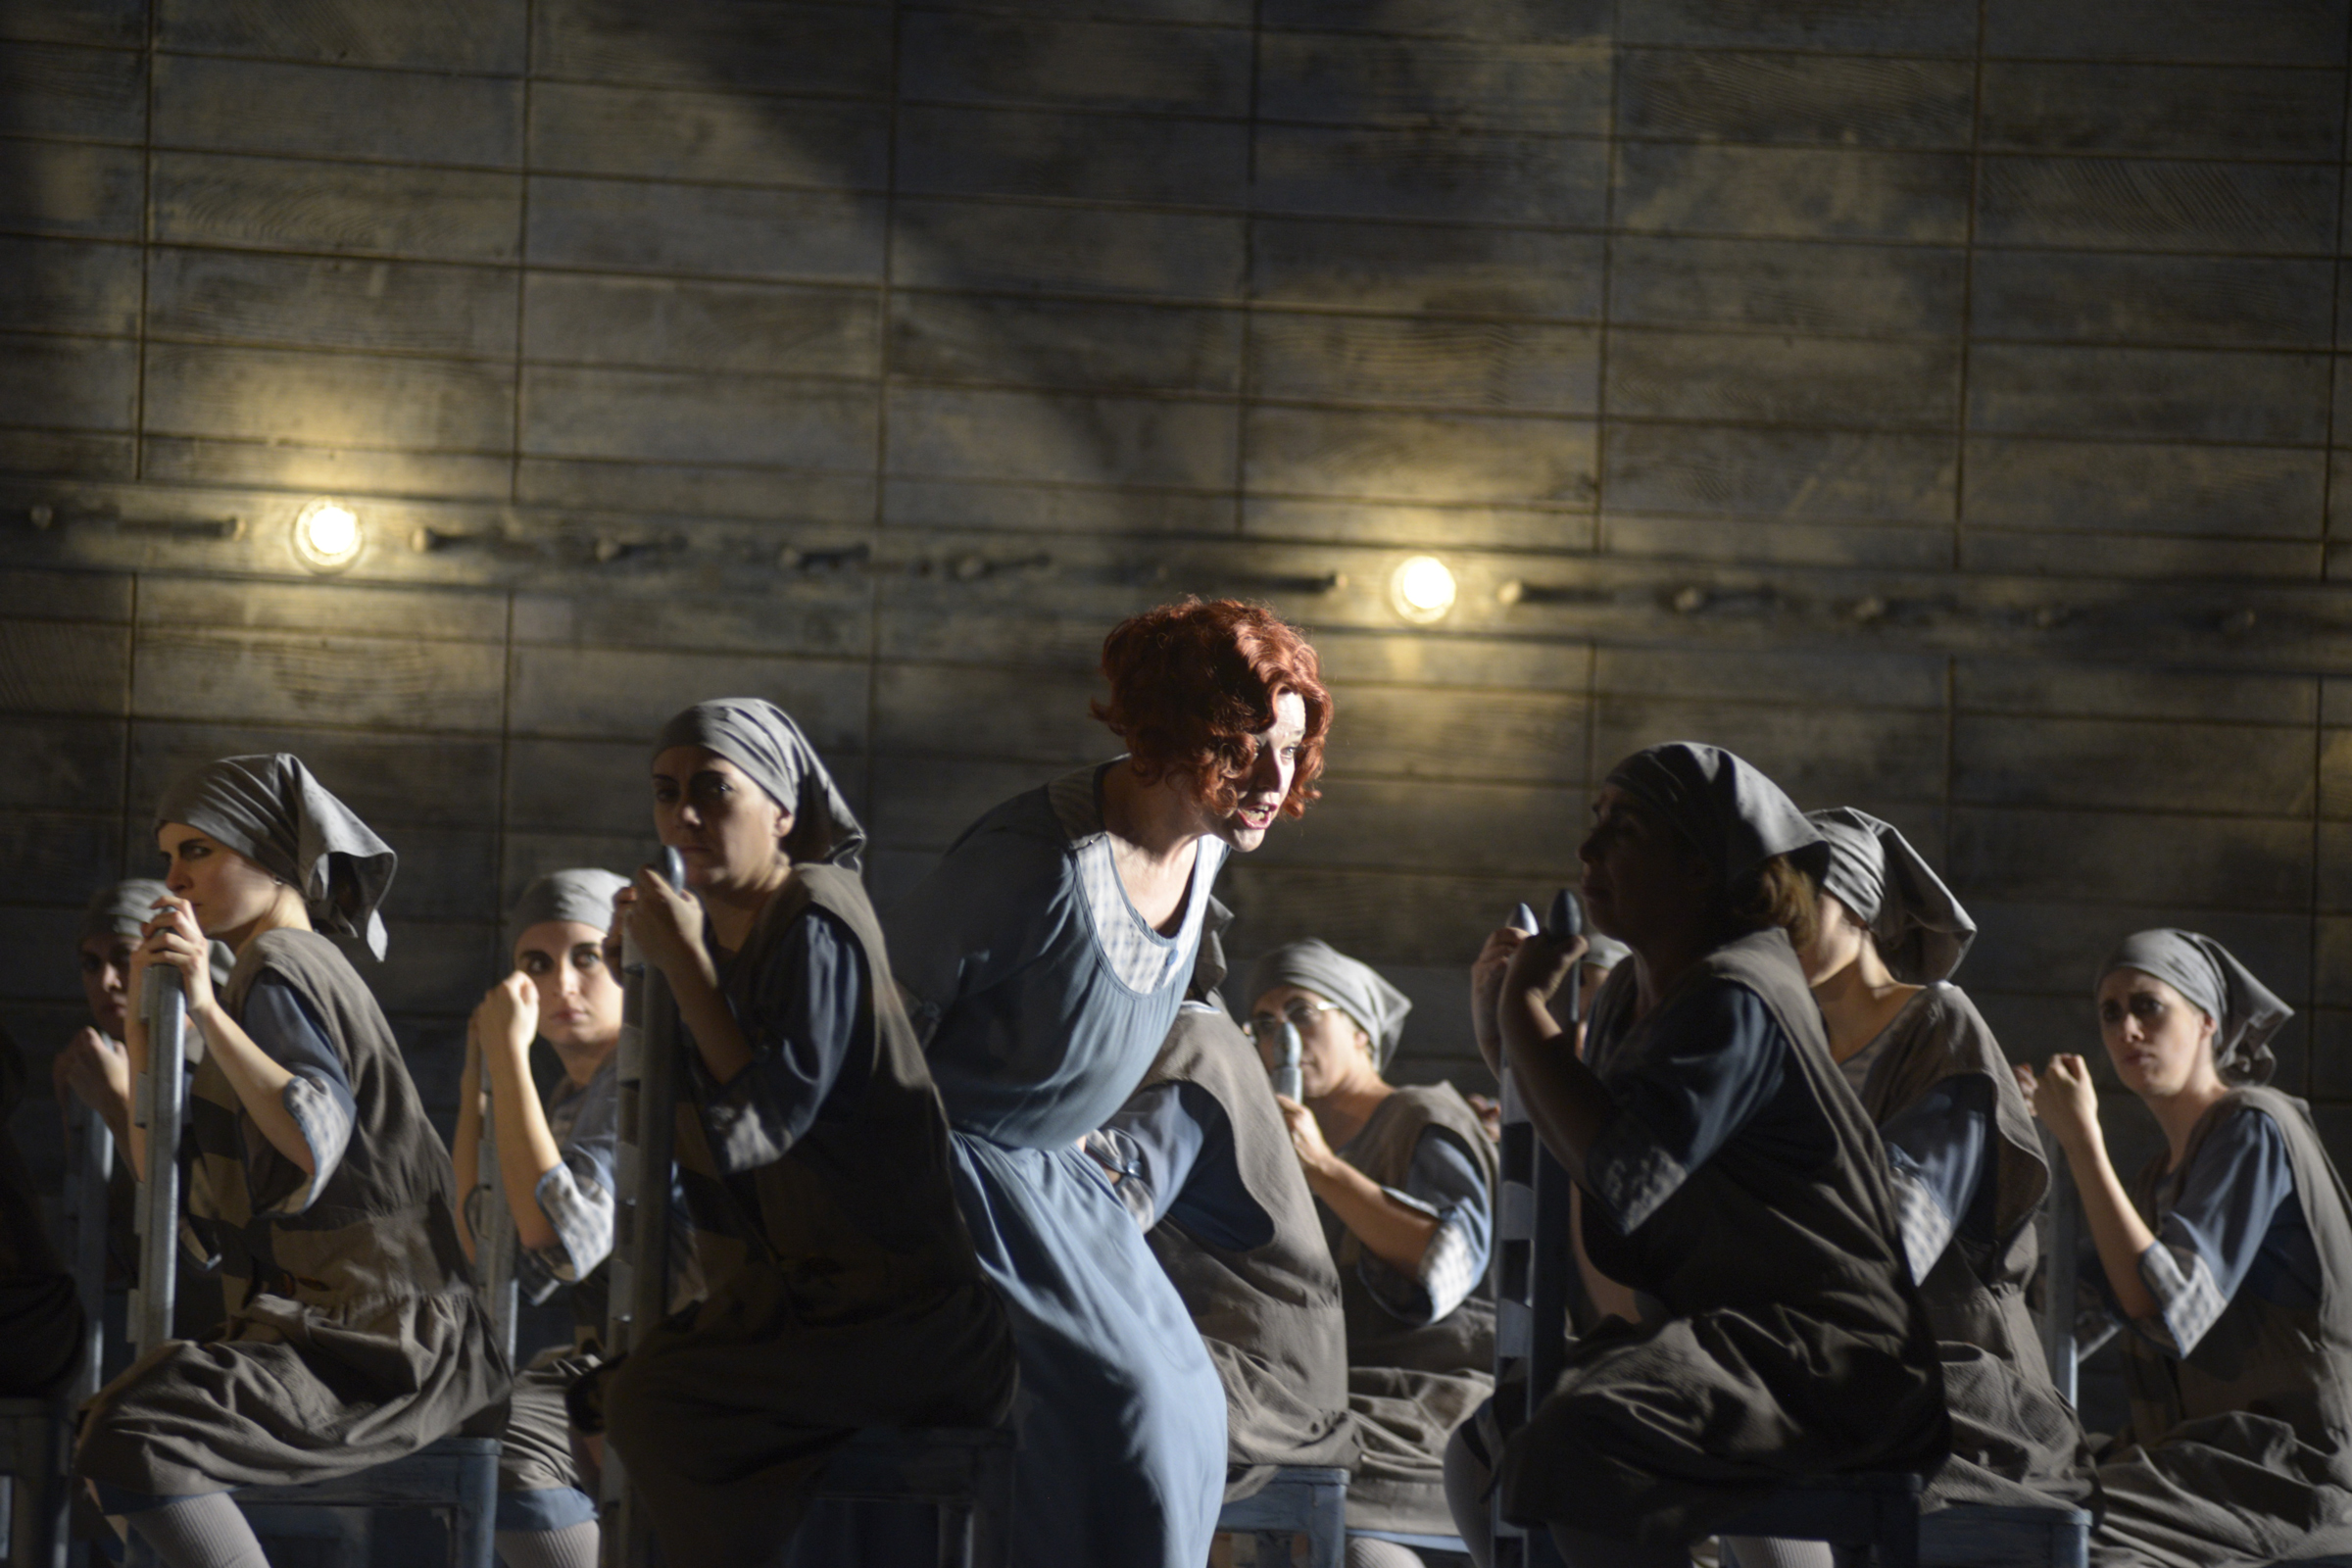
x,y
1968,1179
1741,1186
844,1289
1226,1210
2240,1452
1414,1375
353,1335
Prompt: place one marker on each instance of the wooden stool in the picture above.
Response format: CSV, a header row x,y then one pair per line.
x,y
963,1473
1300,1500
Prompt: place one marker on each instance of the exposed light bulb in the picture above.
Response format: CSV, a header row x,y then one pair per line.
x,y
1422,589
328,536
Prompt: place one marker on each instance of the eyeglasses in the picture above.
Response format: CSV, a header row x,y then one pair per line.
x,y
1301,1014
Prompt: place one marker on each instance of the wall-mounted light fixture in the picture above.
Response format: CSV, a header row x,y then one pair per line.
x,y
328,536
1422,589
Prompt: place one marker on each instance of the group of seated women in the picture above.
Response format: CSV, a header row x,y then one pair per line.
x,y
1005,1156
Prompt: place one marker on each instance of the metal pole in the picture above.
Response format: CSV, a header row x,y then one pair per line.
x,y
2058,1305
495,1243
158,1108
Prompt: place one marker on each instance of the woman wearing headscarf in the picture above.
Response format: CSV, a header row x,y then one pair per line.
x,y
2228,1262
1404,1179
354,1334
812,1154
1966,1163
1202,1159
1728,1174
555,1178
1046,956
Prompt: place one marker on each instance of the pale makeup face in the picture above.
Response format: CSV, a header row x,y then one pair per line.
x,y
2160,1042
1837,938
1273,764
106,980
224,891
580,995
1332,1046
725,826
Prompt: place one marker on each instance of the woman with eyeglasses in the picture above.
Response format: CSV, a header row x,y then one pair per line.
x,y
1405,1177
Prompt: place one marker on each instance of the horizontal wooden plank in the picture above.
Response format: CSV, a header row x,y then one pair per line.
x,y
950,58
576,128
444,874
696,489
666,324
2180,394
1034,716
432,967
1894,290
118,24
626,695
1336,80
2229,302
683,417
2332,841
600,787
55,850
1793,192
2132,765
60,763
1783,379
1364,523
1503,20
1355,657
922,808
1380,917
1059,343
1783,99
1787,475
2335,773
444,780
55,89
1431,826
63,667
73,189
33,594
1390,732
67,454
456,215
2334,959
1005,245
2155,558
823,614
320,302
1419,456
1051,509
2243,863
2140,488
1010,152
1903,26
488,37
36,951
251,106
2163,110
1823,755
715,230
1906,547
2154,205
274,677
2285,32
2050,687
1389,360
938,433
1807,679
2057,949
1424,269
336,398
768,46
67,382
437,615
1463,177
332,470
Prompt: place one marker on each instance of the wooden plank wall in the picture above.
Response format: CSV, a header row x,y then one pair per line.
x,y
1044,311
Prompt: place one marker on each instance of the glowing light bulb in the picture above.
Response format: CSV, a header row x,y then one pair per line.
x,y
1422,589
328,536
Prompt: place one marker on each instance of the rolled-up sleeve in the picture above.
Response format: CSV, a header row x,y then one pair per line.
x,y
1714,1057
282,1021
1443,1181
2208,1242
805,1014
1935,1150
1152,1143
576,1194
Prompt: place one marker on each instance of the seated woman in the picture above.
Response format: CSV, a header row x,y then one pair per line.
x,y
353,1335
2229,1264
1404,1177
1727,1174
815,1160
555,1176
1202,1161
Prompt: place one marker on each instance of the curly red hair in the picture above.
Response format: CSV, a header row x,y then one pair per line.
x,y
1192,682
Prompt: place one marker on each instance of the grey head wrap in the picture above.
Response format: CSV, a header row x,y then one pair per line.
x,y
1737,817
584,894
761,738
1602,952
2245,1013
273,811
1920,928
124,908
1377,1006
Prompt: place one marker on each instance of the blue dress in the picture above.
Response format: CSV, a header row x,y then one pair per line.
x,y
1045,997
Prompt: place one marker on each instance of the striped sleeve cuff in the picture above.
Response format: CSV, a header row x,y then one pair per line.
x,y
2188,1300
1926,1229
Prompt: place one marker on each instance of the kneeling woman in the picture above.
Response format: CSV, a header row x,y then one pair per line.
x,y
2230,1262
846,1292
353,1335
1727,1174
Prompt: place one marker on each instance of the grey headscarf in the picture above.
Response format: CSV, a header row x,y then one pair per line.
x,y
2244,1011
761,738
273,811
1377,1006
1735,816
124,908
584,894
1920,928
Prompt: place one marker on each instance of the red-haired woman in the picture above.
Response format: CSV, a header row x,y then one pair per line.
x,y
1045,959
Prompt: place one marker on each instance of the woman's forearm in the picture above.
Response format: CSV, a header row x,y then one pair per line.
x,y
2120,1234
1567,1104
466,1155
260,1084
527,1148
1397,1235
712,1024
